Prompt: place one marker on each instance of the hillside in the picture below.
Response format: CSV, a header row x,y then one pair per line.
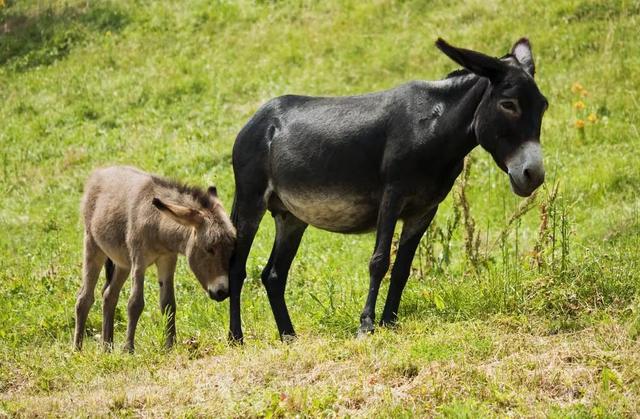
x,y
514,307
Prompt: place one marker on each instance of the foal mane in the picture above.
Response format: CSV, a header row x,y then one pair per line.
x,y
197,194
225,232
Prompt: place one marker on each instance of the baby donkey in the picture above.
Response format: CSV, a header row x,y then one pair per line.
x,y
134,219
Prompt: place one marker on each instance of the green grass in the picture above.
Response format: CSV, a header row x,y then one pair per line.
x,y
166,86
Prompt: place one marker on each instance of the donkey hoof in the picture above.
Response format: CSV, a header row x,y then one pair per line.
x,y
366,328
389,323
235,339
288,338
364,333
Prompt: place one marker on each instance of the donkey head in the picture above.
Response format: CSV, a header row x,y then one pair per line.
x,y
508,118
210,242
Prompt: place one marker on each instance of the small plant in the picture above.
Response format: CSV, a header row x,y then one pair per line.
x,y
559,235
544,236
565,233
525,206
471,233
438,235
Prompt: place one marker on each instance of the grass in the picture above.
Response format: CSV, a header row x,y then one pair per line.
x,y
166,86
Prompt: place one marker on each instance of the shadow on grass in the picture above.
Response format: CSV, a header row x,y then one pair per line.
x,y
47,34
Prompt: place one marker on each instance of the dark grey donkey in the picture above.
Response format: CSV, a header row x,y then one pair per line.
x,y
357,163
133,220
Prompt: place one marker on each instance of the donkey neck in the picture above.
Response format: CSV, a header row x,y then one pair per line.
x,y
461,97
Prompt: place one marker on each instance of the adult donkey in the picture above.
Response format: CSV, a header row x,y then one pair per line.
x,y
351,164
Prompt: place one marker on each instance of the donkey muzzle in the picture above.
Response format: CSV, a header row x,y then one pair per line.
x,y
525,168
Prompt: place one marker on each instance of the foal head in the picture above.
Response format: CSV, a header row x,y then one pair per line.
x,y
210,242
508,119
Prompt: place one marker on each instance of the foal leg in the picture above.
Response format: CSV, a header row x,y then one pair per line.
x,y
248,210
136,304
92,264
379,263
166,269
412,232
110,300
289,231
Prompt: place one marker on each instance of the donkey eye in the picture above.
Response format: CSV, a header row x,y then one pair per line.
x,y
510,106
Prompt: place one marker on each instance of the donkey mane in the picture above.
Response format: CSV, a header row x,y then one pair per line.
x,y
197,194
458,72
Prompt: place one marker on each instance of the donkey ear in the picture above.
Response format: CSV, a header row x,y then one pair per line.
x,y
522,51
186,216
213,191
476,62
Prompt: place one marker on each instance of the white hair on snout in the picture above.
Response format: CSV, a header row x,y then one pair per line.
x,y
525,168
528,154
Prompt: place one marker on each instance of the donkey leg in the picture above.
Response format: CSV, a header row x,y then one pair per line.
x,y
246,215
166,269
379,263
92,264
135,305
110,300
412,232
289,231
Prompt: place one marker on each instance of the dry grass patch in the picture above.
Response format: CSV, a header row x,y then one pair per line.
x,y
523,373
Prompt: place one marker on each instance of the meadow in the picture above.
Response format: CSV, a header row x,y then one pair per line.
x,y
515,307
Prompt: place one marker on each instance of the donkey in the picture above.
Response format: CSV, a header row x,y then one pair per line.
x,y
132,220
352,164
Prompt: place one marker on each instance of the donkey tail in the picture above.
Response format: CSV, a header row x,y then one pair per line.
x,y
234,209
109,268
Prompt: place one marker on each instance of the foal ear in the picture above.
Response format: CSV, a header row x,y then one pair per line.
x,y
186,216
522,51
476,62
213,191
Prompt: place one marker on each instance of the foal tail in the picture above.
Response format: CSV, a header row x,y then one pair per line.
x,y
109,268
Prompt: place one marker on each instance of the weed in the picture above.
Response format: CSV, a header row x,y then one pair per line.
x,y
471,233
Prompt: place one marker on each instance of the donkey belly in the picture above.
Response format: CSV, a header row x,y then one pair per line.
x,y
331,210
324,165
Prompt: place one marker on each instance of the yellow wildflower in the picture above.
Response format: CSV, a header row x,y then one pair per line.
x,y
579,123
584,93
593,118
576,87
579,105
1,4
